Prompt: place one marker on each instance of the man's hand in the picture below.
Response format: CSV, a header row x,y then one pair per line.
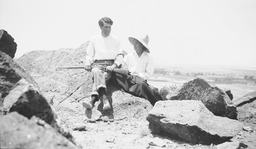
x,y
110,68
87,67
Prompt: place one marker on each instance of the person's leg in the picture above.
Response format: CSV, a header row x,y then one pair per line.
x,y
91,104
156,93
143,90
98,82
139,89
103,97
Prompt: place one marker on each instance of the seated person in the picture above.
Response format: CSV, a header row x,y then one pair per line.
x,y
103,51
137,68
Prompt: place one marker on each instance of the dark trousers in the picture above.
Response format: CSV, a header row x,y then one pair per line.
x,y
136,86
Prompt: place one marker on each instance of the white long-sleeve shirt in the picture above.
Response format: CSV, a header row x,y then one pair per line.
x,y
104,48
142,66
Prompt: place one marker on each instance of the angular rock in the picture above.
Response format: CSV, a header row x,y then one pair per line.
x,y
7,43
27,101
192,122
19,92
246,107
230,95
248,98
213,98
17,131
11,73
231,145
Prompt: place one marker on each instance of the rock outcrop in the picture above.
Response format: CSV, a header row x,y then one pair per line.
x,y
11,73
19,132
19,92
27,101
192,122
59,84
213,98
246,107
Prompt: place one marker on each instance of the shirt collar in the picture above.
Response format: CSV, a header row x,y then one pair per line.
x,y
142,55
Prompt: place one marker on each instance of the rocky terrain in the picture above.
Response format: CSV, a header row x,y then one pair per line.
x,y
41,107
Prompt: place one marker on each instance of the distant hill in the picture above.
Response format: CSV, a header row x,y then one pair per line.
x,y
242,71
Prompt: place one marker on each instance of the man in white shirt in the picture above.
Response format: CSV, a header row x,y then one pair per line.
x,y
103,51
140,67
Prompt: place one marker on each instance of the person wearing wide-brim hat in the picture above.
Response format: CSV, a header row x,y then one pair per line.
x,y
143,41
139,62
140,66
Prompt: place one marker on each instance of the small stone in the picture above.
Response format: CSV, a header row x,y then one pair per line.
x,y
110,140
80,128
247,128
157,142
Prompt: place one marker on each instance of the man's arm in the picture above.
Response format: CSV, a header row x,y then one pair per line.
x,y
89,54
118,59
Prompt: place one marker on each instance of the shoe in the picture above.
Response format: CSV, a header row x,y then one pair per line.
x,y
102,94
106,104
90,105
87,105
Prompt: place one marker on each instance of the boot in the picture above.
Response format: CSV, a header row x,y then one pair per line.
x,y
106,104
103,96
91,104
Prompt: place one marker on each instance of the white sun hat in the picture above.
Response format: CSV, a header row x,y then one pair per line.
x,y
144,41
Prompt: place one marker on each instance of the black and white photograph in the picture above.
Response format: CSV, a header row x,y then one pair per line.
x,y
122,74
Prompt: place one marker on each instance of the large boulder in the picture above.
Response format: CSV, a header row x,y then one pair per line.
x,y
59,85
192,122
246,107
27,101
11,73
213,98
17,131
19,92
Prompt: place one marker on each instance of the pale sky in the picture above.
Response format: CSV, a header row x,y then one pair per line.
x,y
196,32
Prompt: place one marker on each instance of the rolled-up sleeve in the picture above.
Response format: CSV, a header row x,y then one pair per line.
x,y
89,53
119,59
120,56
